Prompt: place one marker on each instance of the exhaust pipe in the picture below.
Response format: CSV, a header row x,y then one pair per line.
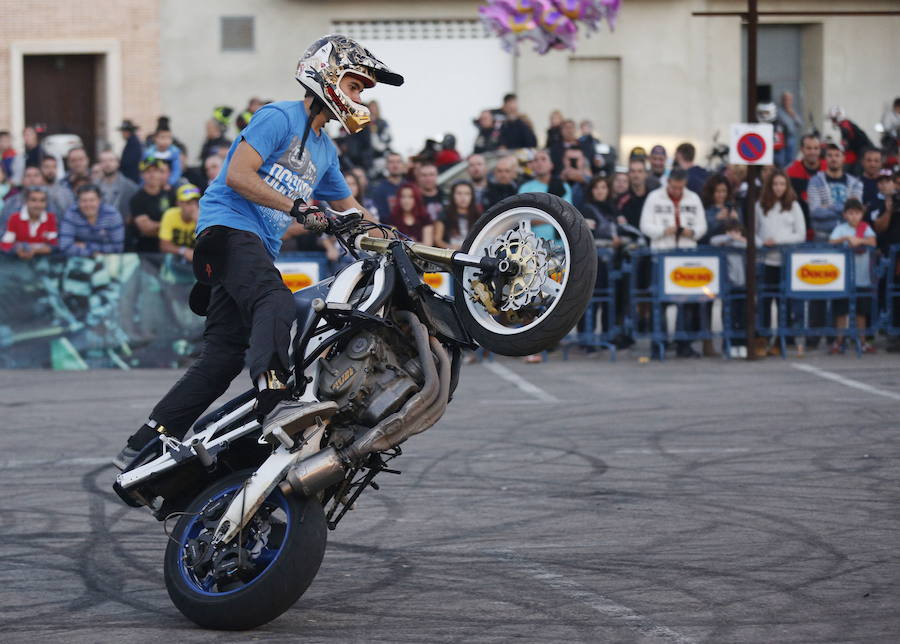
x,y
328,466
313,474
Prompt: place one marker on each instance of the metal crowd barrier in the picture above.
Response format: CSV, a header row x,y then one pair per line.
x,y
814,277
634,292
689,281
602,310
890,277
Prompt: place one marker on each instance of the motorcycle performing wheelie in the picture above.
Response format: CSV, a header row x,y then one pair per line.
x,y
373,355
378,359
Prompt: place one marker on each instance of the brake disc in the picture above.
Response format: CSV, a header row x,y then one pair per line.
x,y
524,249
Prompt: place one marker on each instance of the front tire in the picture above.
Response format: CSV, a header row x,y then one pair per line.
x,y
283,545
551,242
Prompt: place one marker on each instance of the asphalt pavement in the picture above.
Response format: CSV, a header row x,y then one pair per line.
x,y
578,501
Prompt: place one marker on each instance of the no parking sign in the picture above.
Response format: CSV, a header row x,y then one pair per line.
x,y
752,144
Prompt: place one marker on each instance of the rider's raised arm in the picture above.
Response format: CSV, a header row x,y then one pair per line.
x,y
243,177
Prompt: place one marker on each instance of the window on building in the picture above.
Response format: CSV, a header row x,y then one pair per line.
x,y
237,33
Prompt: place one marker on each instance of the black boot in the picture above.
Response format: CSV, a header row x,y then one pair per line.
x,y
146,439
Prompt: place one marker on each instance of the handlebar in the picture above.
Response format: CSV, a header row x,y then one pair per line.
x,y
446,257
347,220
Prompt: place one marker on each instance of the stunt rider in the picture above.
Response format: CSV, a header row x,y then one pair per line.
x,y
281,161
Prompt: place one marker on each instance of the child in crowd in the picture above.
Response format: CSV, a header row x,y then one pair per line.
x,y
164,148
733,237
859,236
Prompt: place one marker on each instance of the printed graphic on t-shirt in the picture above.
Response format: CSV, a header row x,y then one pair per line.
x,y
183,236
291,176
838,191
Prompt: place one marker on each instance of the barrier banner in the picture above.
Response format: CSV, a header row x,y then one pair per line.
x,y
297,275
441,283
110,311
691,275
818,272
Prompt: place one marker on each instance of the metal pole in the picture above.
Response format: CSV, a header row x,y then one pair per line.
x,y
752,176
833,14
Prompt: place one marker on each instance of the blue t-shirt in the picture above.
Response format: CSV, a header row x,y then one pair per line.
x,y
538,186
275,133
838,189
863,258
544,231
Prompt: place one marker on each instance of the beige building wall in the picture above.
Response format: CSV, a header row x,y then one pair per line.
x,y
664,76
198,76
126,31
681,75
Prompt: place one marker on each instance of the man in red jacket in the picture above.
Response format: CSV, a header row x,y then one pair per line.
x,y
805,168
31,231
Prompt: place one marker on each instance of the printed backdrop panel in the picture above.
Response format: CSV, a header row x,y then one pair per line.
x,y
818,272
691,275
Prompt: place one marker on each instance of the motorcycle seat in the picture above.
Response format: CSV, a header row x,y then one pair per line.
x,y
304,297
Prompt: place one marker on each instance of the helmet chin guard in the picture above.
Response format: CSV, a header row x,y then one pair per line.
x,y
324,65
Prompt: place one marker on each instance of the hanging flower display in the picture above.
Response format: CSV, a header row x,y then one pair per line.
x,y
548,24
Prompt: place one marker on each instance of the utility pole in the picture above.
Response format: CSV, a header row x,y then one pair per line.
x,y
751,17
752,177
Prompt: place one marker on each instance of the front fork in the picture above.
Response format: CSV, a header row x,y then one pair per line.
x,y
261,484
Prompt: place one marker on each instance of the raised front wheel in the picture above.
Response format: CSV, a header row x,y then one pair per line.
x,y
550,245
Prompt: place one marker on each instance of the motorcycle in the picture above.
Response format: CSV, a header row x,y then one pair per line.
x,y
376,359
717,159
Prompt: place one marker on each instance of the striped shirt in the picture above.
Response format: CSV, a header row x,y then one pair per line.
x,y
106,235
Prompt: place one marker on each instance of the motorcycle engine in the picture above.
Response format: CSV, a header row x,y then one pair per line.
x,y
368,380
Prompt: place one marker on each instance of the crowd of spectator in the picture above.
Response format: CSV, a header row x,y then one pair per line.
x,y
145,200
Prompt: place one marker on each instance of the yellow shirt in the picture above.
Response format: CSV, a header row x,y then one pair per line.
x,y
174,229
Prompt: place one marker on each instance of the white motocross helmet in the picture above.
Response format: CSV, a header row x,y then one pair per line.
x,y
766,112
327,61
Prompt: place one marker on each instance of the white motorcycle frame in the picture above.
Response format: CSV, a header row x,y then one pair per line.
x,y
275,467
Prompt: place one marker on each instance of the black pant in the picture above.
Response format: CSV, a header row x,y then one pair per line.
x,y
249,307
688,320
739,315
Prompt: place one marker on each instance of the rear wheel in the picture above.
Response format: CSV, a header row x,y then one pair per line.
x,y
549,242
256,577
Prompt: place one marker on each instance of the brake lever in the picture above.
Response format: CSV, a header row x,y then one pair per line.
x,y
342,220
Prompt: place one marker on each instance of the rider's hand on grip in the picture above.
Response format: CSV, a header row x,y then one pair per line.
x,y
312,217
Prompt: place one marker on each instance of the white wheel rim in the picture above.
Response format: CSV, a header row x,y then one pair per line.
x,y
497,227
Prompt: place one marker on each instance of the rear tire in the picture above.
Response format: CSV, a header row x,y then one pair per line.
x,y
272,591
571,301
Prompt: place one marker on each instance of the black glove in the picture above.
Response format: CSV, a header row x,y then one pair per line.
x,y
312,217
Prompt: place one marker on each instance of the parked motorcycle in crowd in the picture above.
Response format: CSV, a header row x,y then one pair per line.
x,y
378,357
717,158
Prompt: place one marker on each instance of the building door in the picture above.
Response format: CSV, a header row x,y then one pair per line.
x,y
61,92
594,95
779,62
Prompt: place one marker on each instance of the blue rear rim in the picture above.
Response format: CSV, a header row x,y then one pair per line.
x,y
263,547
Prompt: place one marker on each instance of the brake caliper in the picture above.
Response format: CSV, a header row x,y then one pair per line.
x,y
482,295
